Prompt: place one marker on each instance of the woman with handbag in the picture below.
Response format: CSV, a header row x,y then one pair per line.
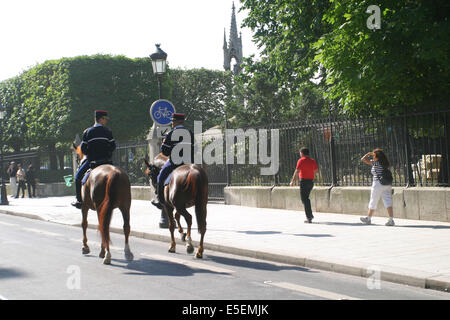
x,y
381,184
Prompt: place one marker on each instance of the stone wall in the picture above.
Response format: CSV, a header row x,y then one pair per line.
x,y
408,203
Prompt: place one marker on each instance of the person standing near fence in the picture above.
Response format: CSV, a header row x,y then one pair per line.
x,y
12,170
20,176
31,181
305,170
379,163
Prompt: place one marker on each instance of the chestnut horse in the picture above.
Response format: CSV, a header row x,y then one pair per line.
x,y
107,188
188,187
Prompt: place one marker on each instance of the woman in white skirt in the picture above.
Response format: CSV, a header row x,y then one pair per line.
x,y
378,162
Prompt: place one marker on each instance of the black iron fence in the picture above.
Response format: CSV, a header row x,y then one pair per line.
x,y
129,156
417,145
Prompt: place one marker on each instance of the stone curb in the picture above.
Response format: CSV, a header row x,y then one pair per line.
x,y
414,278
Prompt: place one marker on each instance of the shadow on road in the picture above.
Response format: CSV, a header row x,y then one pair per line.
x,y
155,267
11,273
255,264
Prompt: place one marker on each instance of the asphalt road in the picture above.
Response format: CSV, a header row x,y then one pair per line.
x,y
42,260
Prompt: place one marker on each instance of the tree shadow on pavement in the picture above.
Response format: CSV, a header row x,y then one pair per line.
x,y
424,226
11,273
255,264
259,232
313,235
352,224
382,225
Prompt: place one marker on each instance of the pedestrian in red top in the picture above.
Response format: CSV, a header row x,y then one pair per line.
x,y
306,170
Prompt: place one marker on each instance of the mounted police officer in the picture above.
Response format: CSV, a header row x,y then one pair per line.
x,y
98,145
178,145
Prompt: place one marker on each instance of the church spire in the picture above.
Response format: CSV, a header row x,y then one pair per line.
x,y
234,48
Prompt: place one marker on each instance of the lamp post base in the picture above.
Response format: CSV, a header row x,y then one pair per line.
x,y
4,198
163,223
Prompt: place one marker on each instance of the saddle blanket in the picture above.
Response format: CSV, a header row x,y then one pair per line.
x,y
167,181
86,176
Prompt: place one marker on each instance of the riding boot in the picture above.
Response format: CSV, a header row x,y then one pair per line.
x,y
77,204
159,195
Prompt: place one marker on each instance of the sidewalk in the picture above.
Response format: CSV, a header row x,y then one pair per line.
x,y
413,252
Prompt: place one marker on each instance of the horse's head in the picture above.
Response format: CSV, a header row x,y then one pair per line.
x,y
152,172
80,154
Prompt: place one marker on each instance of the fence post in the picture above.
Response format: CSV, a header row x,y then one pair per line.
x,y
334,182
410,178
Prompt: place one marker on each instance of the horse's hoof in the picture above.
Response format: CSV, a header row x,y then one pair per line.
x,y
172,250
199,255
102,254
129,256
107,259
190,249
85,250
183,237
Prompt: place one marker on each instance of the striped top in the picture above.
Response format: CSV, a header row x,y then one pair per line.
x,y
377,170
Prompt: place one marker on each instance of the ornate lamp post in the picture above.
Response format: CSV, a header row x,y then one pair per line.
x,y
4,198
159,64
159,69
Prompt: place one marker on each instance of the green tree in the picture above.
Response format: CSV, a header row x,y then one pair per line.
x,y
403,64
202,94
359,70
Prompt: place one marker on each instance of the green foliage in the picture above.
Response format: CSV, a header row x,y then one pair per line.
x,y
357,70
203,95
405,63
50,103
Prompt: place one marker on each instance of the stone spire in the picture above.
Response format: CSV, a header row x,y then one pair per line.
x,y
234,47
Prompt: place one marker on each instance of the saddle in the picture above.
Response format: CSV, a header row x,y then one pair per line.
x,y
93,165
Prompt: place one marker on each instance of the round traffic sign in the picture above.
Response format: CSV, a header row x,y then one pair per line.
x,y
161,111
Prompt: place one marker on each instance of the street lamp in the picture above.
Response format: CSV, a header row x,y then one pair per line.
x,y
159,68
159,64
4,198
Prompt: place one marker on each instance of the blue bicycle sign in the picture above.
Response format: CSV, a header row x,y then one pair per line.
x,y
161,111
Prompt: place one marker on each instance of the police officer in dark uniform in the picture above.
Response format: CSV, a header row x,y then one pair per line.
x,y
186,138
98,145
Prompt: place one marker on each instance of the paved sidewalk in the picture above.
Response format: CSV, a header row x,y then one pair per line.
x,y
412,252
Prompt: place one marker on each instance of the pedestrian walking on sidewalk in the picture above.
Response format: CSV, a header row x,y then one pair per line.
x,y
20,177
31,181
379,164
305,170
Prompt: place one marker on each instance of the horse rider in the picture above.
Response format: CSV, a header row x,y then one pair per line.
x,y
98,145
186,137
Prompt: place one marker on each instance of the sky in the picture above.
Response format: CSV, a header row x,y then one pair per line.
x,y
189,31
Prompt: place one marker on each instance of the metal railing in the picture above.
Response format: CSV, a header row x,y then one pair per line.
x,y
417,146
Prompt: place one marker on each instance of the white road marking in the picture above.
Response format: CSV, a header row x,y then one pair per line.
x,y
191,264
96,244
51,234
311,291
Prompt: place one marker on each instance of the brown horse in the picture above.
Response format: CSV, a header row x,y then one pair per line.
x,y
107,188
188,187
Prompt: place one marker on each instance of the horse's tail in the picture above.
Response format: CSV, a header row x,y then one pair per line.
x,y
197,181
107,205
